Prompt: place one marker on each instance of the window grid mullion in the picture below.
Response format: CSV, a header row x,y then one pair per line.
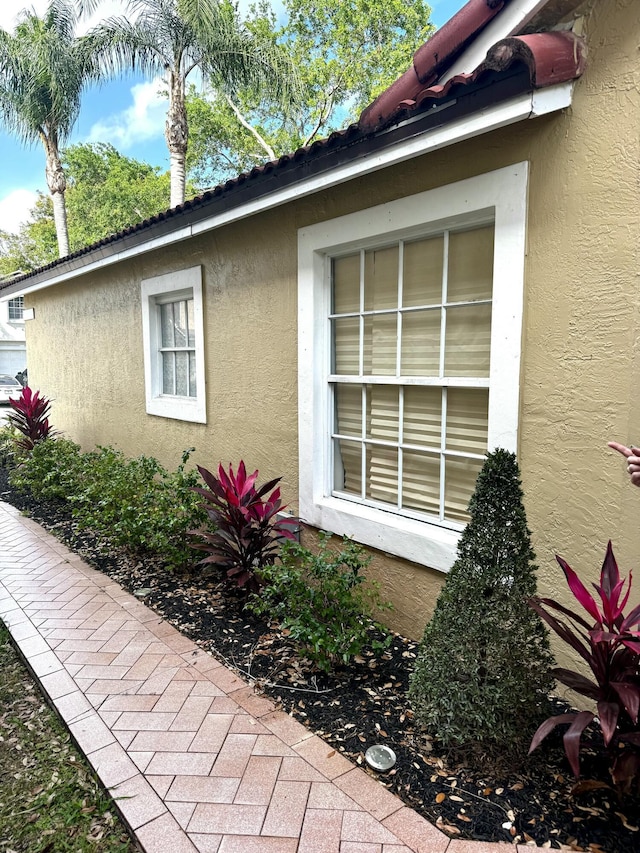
x,y
443,445
400,442
445,286
363,446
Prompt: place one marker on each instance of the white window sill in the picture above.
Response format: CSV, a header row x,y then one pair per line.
x,y
178,408
419,541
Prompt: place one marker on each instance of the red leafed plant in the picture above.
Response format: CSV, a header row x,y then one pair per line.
x,y
610,645
246,532
30,417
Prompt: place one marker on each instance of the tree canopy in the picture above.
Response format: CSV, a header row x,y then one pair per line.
x,y
44,68
106,193
170,39
346,54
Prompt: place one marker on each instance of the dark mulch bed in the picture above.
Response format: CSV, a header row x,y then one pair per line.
x,y
534,800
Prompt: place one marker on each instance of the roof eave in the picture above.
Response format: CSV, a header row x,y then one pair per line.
x,y
476,111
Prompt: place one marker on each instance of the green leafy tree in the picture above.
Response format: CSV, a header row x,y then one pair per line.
x,y
346,54
106,193
44,69
483,669
35,244
170,39
109,192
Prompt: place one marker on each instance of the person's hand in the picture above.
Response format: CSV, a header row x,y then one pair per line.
x,y
632,455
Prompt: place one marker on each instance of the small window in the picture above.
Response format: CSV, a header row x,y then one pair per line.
x,y
16,308
172,319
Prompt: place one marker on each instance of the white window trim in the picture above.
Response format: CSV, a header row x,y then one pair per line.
x,y
499,196
181,284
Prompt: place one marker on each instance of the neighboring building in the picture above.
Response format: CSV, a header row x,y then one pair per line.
x,y
457,271
13,349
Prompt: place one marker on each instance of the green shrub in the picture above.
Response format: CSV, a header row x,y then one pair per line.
x,y
132,503
8,446
483,668
138,504
53,470
323,599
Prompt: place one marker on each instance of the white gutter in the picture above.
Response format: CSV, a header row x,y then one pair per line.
x,y
527,106
509,22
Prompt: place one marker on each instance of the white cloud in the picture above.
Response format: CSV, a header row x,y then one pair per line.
x,y
14,209
141,121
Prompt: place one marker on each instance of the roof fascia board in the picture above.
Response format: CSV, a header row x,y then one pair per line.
x,y
509,22
528,105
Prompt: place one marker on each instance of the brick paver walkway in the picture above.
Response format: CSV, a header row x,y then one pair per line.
x,y
197,762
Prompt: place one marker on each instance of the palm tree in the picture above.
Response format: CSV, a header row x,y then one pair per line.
x,y
170,39
44,68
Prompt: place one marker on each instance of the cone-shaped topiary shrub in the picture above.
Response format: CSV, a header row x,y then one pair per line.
x,y
483,669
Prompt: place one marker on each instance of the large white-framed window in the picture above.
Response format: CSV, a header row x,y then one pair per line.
x,y
410,324
173,340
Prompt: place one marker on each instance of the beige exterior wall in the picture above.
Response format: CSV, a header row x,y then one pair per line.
x,y
581,346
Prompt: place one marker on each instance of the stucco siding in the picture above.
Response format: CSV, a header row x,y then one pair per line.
x,y
581,359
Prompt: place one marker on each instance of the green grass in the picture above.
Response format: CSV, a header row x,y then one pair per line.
x,y
50,802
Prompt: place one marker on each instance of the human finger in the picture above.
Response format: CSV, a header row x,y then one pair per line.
x,y
621,448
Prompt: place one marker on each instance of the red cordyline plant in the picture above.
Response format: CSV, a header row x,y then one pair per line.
x,y
609,643
29,417
246,531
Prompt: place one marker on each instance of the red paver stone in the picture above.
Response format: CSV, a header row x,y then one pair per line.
x,y
164,834
254,704
160,784
138,802
72,706
227,819
182,812
359,847
206,843
416,832
113,765
150,721
258,781
325,795
212,733
361,826
174,696
323,757
369,793
299,770
181,763
244,724
162,741
202,789
235,844
129,703
234,755
271,745
91,733
192,714
287,809
321,831
222,677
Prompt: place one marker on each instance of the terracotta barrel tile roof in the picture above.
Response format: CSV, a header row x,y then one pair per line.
x,y
432,58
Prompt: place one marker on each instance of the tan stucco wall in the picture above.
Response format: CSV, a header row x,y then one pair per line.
x,y
581,336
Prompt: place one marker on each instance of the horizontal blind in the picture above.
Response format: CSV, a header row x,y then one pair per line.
x,y
419,309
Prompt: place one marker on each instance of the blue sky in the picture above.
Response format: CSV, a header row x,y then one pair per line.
x,y
127,113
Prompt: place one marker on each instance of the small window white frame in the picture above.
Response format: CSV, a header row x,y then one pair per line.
x,y
499,197
15,306
181,284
